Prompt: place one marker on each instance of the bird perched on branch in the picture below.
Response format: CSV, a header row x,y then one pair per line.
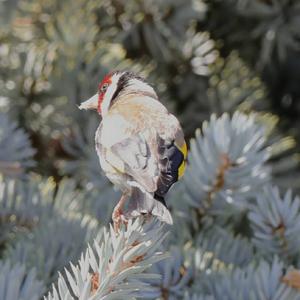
x,y
140,145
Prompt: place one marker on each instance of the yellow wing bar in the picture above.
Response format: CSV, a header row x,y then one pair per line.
x,y
181,168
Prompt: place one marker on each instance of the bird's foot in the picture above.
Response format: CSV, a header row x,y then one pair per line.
x,y
118,218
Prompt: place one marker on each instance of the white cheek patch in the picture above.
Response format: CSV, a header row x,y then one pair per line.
x,y
133,85
109,93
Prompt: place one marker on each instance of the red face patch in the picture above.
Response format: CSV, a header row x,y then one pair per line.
x,y
102,88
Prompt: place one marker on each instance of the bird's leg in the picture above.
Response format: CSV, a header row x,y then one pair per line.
x,y
117,215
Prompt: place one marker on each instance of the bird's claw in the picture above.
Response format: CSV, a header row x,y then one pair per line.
x,y
118,218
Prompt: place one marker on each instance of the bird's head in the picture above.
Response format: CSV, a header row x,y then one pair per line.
x,y
113,86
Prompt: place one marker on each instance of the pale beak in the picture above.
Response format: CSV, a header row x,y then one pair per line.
x,y
92,103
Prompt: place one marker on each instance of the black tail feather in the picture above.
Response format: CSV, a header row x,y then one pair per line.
x,y
160,199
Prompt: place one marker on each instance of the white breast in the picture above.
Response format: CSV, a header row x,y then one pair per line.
x,y
114,130
106,135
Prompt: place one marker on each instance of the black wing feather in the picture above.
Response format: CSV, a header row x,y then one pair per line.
x,y
170,160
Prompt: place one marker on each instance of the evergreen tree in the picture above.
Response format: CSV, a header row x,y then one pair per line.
x,y
228,70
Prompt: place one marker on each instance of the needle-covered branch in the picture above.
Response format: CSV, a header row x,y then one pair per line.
x,y
275,221
226,162
113,268
16,153
16,283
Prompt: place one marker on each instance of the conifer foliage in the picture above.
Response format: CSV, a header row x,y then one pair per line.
x,y
218,66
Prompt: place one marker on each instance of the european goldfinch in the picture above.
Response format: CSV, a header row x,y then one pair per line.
x,y
140,145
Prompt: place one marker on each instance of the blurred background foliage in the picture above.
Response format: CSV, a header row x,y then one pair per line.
x,y
202,57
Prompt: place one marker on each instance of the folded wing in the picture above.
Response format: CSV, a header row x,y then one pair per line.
x,y
139,161
155,165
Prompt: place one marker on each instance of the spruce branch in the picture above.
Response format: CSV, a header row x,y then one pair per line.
x,y
69,238
226,163
177,274
275,221
201,51
263,31
156,28
16,283
114,267
276,23
224,246
189,296
26,203
20,208
234,86
33,211
16,153
264,281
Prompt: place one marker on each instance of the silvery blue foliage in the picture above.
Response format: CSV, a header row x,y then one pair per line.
x,y
275,221
28,202
176,276
16,153
276,26
51,255
18,284
226,247
99,203
20,199
164,29
33,211
114,267
207,263
226,162
200,50
188,296
47,67
22,206
261,282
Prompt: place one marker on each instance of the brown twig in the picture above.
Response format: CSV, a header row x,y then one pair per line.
x,y
279,231
95,279
95,282
11,167
292,279
219,181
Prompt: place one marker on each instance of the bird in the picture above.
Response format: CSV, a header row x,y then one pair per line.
x,y
140,145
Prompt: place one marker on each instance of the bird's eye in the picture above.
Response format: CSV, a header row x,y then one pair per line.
x,y
104,87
